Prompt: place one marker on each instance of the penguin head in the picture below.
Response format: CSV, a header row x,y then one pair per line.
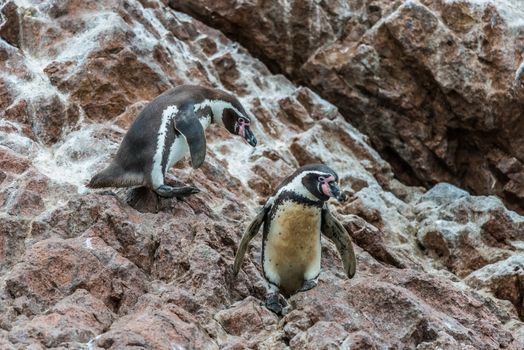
x,y
315,182
228,112
237,122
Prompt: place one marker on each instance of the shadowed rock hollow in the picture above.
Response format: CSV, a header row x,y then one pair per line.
x,y
82,269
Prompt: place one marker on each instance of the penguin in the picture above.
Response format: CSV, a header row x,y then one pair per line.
x,y
165,130
294,218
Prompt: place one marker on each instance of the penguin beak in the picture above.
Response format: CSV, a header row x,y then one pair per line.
x,y
250,137
336,192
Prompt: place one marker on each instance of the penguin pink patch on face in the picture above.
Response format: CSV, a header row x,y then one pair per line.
x,y
242,124
324,184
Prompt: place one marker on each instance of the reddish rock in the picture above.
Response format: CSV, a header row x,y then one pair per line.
x,y
360,341
111,76
52,270
322,335
247,318
393,294
83,269
76,319
13,232
10,29
295,113
158,326
229,74
371,240
12,162
26,204
53,117
282,34
5,96
443,125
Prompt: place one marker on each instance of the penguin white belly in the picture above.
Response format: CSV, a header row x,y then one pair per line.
x,y
178,150
292,248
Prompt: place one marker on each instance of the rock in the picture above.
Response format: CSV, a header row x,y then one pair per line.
x,y
287,39
359,341
432,310
13,162
156,326
505,279
83,269
410,74
229,74
107,75
9,29
74,320
370,239
323,335
466,233
125,119
296,113
5,343
52,117
52,270
247,319
447,105
13,232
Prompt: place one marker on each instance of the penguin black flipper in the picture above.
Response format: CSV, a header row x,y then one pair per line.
x,y
251,232
333,229
188,124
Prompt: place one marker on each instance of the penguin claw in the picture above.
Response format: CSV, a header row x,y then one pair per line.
x,y
309,284
189,190
277,304
193,190
275,307
170,192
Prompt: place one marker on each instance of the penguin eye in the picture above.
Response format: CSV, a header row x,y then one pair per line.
x,y
321,179
243,121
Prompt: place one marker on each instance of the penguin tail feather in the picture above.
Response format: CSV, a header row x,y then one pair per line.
x,y
114,176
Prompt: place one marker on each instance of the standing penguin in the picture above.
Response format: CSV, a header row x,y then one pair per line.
x,y
293,219
165,130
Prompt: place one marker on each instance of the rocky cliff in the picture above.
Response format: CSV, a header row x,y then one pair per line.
x,y
434,86
437,85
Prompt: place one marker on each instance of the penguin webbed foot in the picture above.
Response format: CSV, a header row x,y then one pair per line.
x,y
308,284
276,303
179,192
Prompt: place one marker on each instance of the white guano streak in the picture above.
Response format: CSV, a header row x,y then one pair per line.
x,y
157,175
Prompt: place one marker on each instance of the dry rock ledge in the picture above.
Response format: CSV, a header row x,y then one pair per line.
x,y
436,86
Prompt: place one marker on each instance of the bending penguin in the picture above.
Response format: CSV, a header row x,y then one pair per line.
x,y
293,219
165,130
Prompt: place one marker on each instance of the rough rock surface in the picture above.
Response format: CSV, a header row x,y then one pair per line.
x,y
437,85
80,269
